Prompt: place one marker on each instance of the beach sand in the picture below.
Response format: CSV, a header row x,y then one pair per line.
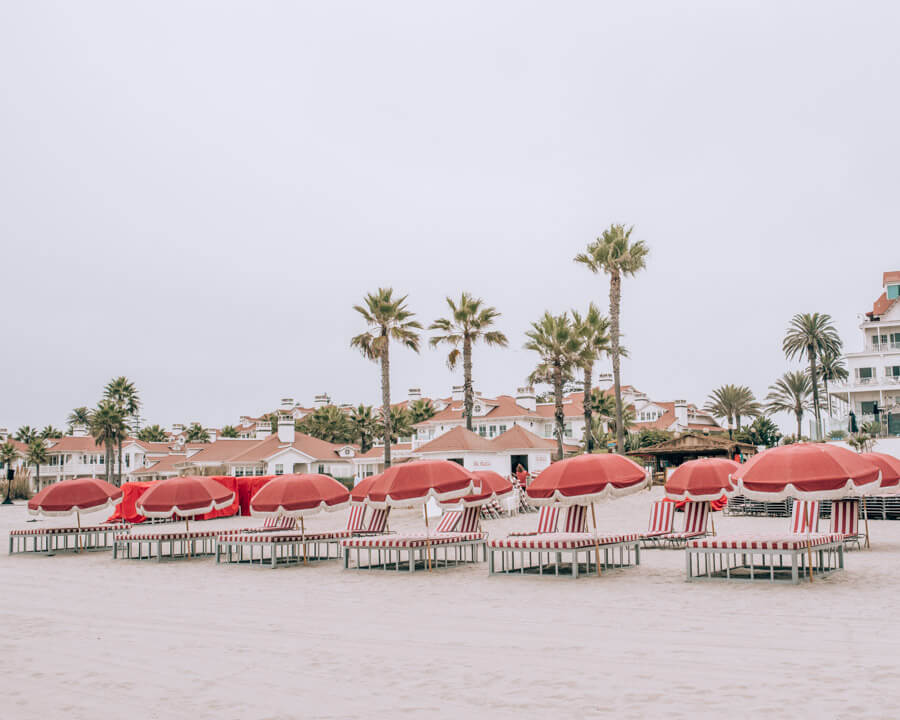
x,y
86,637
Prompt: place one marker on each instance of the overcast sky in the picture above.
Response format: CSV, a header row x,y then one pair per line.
x,y
194,194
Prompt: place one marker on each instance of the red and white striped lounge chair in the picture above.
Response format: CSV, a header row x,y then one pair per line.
x,y
470,522
845,521
661,525
548,519
449,521
576,519
357,519
696,516
270,524
378,523
800,516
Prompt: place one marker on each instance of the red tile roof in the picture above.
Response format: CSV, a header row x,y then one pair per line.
x,y
881,306
891,277
75,444
503,406
163,466
573,406
378,451
518,438
458,439
221,450
308,445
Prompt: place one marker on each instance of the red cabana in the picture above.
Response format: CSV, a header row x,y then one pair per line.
x,y
247,487
77,495
489,486
126,511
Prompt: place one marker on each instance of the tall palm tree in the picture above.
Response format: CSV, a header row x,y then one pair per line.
x,y
387,318
79,416
26,434
593,328
468,323
613,253
559,347
732,402
791,393
50,433
814,335
37,456
107,426
831,369
365,426
8,455
154,433
229,431
124,394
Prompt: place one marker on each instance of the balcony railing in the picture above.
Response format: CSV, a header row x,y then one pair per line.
x,y
884,347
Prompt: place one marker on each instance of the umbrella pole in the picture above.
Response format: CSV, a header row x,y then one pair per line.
x,y
427,539
808,539
78,536
866,518
711,518
596,539
303,538
187,529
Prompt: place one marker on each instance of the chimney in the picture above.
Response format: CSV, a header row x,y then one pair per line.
x,y
287,404
457,393
213,434
178,428
78,431
263,430
604,378
285,429
321,400
414,394
245,419
681,414
526,398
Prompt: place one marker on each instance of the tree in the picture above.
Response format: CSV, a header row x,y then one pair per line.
x,y
365,427
327,423
791,393
401,423
8,455
107,426
123,393
229,431
196,433
152,433
50,433
593,328
37,456
558,345
730,402
387,318
762,431
79,416
468,323
831,369
421,410
26,434
614,254
814,335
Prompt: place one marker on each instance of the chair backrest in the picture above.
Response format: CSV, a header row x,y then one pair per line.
x,y
470,521
800,516
448,521
576,519
279,522
662,516
845,517
548,519
357,518
695,516
378,521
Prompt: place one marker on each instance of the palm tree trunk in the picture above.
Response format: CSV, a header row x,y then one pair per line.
x,y
615,297
737,421
588,435
37,471
119,479
558,412
468,399
730,424
386,401
799,426
811,352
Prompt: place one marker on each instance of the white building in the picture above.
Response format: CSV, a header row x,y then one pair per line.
x,y
872,391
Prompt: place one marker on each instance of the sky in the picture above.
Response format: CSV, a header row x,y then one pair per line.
x,y
195,194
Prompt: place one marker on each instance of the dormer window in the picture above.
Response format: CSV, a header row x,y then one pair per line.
x,y
893,291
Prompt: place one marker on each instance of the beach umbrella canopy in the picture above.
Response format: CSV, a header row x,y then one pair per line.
x,y
361,490
703,480
489,486
184,496
585,479
76,495
807,471
298,496
413,483
890,469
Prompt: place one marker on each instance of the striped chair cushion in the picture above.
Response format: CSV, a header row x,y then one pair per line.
x,y
68,530
763,542
449,520
845,517
548,519
357,518
695,518
193,534
378,521
408,541
559,541
800,515
470,522
279,523
662,516
282,537
576,519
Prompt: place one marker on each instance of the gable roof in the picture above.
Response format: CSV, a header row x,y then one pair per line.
x,y
573,406
221,450
503,406
458,439
308,445
518,438
71,443
162,466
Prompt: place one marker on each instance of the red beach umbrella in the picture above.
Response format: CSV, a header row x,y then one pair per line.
x,y
185,497
299,495
75,496
489,486
890,469
413,483
703,480
361,490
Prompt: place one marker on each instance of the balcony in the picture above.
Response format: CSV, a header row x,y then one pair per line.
x,y
887,347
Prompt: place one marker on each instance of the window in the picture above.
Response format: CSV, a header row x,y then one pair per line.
x,y
865,374
482,430
279,469
128,461
868,407
893,292
502,429
321,469
568,430
892,371
493,430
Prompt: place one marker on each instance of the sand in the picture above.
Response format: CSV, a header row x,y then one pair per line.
x,y
87,637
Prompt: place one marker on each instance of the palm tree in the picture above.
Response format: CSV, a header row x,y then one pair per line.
x,y
79,416
388,319
327,423
26,434
468,323
107,426
154,433
37,456
831,369
814,335
50,433
421,410
8,455
196,433
762,431
791,393
401,423
124,394
559,347
593,328
614,254
229,431
365,426
731,402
